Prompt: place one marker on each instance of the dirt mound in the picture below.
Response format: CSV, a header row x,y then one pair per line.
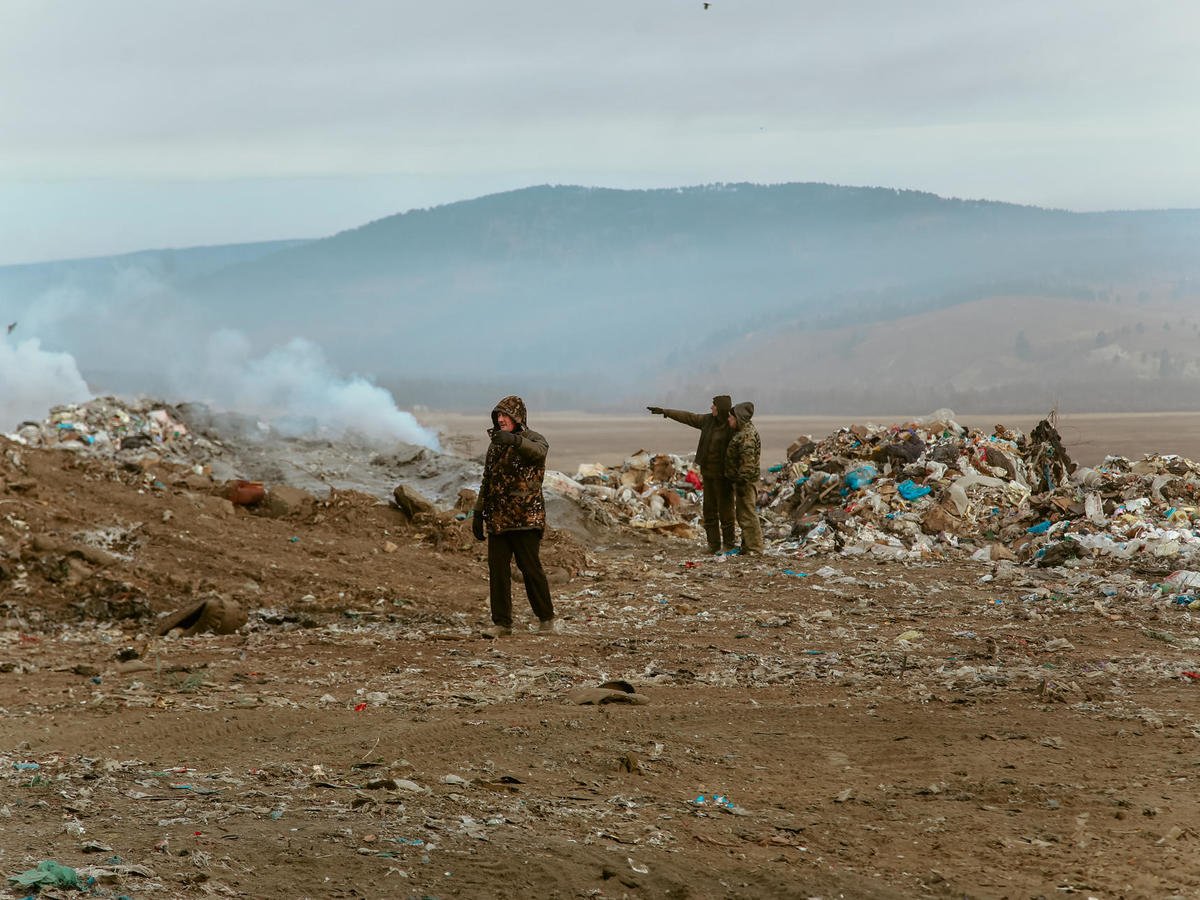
x,y
106,537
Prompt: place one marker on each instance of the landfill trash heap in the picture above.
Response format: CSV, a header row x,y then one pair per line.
x,y
901,491
659,493
121,430
904,491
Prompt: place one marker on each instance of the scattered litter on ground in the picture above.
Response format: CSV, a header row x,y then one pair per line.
x,y
933,678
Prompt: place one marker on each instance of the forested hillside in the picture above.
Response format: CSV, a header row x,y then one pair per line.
x,y
605,291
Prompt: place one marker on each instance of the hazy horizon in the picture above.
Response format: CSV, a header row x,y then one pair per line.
x,y
132,127
842,294
282,238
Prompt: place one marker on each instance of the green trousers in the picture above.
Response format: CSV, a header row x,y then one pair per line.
x,y
745,506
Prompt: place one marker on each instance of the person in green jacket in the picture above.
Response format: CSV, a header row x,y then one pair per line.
x,y
742,459
717,511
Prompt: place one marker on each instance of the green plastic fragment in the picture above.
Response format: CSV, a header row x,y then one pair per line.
x,y
48,874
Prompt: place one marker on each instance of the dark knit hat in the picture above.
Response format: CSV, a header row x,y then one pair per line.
x,y
723,403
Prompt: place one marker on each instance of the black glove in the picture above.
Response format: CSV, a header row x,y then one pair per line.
x,y
477,526
655,410
506,438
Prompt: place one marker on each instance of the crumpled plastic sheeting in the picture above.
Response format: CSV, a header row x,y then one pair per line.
x,y
47,874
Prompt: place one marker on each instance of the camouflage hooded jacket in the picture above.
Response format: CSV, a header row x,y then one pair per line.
x,y
742,456
510,496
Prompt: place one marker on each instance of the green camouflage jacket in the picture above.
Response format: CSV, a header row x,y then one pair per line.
x,y
744,450
510,496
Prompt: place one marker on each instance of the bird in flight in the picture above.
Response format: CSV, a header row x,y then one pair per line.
x,y
707,5
11,326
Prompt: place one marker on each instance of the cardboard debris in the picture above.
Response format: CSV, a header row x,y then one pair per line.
x,y
217,615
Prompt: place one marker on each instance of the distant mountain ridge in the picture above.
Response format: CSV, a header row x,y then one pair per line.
x,y
601,291
173,266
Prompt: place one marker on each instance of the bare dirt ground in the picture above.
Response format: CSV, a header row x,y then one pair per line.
x,y
581,437
883,730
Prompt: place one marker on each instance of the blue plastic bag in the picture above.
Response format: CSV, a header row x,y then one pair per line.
x,y
910,490
860,477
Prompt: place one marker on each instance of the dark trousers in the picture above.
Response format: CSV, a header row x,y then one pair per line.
x,y
717,512
524,545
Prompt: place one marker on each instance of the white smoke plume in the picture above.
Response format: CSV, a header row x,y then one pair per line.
x,y
295,388
142,337
32,380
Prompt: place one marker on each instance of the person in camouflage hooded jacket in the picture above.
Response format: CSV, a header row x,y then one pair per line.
x,y
742,461
510,513
510,496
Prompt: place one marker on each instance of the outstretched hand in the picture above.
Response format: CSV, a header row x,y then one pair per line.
x,y
655,410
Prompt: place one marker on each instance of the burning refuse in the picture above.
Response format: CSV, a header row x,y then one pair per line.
x,y
907,490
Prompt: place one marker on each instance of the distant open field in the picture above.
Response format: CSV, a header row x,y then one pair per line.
x,y
584,437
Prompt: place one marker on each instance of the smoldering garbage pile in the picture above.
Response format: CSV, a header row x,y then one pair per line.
x,y
900,491
199,463
240,452
906,491
227,450
119,430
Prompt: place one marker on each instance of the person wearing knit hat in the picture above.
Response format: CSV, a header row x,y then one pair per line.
x,y
717,510
742,462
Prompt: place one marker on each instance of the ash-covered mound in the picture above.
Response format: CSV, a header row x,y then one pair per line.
x,y
231,445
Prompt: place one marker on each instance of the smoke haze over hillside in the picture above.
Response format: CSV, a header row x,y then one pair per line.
x,y
813,298
138,336
316,163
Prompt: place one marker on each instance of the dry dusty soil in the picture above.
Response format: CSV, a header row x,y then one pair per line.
x,y
885,730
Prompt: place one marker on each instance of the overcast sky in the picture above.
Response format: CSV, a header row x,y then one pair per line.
x,y
129,124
